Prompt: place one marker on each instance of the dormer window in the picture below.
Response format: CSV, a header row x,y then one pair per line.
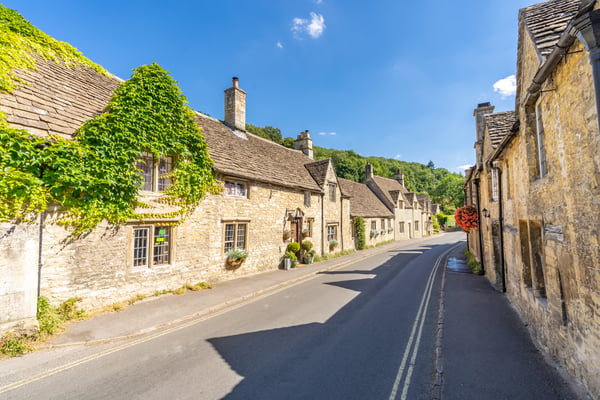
x,y
236,189
154,174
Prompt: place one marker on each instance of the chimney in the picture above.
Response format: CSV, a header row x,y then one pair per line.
x,y
304,144
399,176
368,172
235,106
479,114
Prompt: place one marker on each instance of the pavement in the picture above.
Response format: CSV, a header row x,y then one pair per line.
x,y
484,349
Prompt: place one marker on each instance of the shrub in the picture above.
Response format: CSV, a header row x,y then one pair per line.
x,y
294,247
13,345
306,246
473,263
49,319
359,228
291,255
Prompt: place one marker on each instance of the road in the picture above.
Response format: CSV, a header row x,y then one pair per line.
x,y
364,331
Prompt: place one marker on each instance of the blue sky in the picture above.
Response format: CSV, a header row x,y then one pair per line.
x,y
389,78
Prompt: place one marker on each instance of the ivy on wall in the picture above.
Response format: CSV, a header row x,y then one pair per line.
x,y
94,176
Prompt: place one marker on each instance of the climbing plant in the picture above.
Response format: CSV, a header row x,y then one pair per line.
x,y
359,228
94,176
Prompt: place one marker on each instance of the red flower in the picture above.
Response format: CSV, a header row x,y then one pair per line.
x,y
466,218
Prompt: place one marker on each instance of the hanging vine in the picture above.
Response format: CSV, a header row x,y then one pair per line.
x,y
94,176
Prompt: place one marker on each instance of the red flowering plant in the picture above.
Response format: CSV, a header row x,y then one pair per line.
x,y
466,218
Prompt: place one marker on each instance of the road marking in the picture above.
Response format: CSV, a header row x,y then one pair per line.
x,y
416,334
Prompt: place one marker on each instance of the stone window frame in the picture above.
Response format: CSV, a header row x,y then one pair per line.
x,y
373,225
310,222
236,189
494,189
416,226
152,250
153,173
332,232
235,240
401,227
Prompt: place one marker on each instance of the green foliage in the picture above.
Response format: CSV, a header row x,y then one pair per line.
x,y
294,247
306,245
473,263
48,317
443,187
333,244
95,176
359,228
237,254
13,345
68,309
435,224
267,132
442,219
289,142
290,254
19,40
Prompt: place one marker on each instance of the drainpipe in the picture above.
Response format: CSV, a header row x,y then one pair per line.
x,y
501,227
40,261
341,222
322,223
476,181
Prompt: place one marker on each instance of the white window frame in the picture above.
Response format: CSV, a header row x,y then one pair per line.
x,y
236,189
494,184
150,254
332,232
239,235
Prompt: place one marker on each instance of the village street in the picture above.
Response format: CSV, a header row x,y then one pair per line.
x,y
364,328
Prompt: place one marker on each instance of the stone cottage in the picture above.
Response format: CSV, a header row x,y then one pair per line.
x,y
271,196
538,185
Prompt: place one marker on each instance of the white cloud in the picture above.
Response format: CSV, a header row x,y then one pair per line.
x,y
506,87
279,45
398,156
461,168
314,28
318,1
327,133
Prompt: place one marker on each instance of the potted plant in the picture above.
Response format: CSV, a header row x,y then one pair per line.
x,y
332,244
294,248
287,234
235,257
289,260
374,233
305,233
306,250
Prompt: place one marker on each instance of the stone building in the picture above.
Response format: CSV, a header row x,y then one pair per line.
x,y
379,221
412,218
538,186
272,195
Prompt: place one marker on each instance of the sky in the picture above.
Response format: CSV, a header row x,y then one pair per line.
x,y
386,78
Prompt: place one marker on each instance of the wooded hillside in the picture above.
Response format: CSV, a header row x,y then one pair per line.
x,y
443,187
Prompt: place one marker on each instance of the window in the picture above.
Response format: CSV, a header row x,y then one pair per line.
x,y
373,225
539,142
331,188
155,175
416,226
389,224
235,236
151,246
309,227
307,199
382,224
331,232
236,189
401,227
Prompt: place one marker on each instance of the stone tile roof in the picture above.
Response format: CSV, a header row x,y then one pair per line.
x,y
499,125
251,157
423,198
56,99
392,189
546,22
363,202
318,170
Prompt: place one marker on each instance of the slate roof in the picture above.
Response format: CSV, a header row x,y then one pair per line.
x,y
56,99
547,21
364,202
318,170
391,189
499,125
422,198
251,157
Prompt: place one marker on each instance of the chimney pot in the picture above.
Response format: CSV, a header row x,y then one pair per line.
x,y
235,81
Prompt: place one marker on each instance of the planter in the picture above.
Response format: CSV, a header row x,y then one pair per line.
x,y
294,263
307,260
287,263
235,263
